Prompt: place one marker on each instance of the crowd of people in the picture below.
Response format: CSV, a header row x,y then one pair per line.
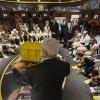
x,y
9,41
50,85
82,47
45,86
81,44
85,51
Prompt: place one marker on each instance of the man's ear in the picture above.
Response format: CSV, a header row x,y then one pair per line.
x,y
45,53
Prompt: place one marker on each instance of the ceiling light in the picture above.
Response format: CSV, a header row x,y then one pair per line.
x,y
5,15
18,0
59,0
39,0
23,15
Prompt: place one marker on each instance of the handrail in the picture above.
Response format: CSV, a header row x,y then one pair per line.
x,y
1,79
34,2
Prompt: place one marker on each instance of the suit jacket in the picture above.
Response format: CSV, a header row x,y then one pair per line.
x,y
54,27
46,79
64,29
85,40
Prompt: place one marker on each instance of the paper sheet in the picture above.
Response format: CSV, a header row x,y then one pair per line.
x,y
76,68
87,81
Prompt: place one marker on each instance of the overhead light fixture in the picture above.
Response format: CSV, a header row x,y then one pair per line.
x,y
18,0
96,16
39,0
86,16
59,0
5,15
34,15
23,15
45,15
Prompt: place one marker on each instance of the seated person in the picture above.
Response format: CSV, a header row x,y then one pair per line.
x,y
75,38
95,79
77,35
46,28
84,41
25,37
47,77
83,53
17,40
7,50
74,42
93,49
1,38
37,28
88,53
46,31
85,38
88,65
32,36
12,44
1,51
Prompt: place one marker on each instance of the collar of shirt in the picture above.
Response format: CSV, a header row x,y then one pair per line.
x,y
43,59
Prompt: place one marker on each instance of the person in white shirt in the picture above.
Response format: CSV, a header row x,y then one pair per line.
x,y
46,28
37,28
85,38
93,49
83,45
89,53
47,32
98,39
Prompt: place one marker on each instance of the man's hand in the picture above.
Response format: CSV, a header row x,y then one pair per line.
x,y
14,94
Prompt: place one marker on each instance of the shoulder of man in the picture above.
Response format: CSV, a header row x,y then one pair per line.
x,y
66,67
34,66
66,63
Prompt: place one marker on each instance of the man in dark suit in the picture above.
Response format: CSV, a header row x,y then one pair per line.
x,y
64,32
54,27
47,77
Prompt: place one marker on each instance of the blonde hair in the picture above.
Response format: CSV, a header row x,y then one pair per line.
x,y
51,45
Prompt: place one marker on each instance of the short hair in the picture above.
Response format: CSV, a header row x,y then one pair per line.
x,y
52,46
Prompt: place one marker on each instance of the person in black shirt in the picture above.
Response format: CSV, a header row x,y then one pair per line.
x,y
47,77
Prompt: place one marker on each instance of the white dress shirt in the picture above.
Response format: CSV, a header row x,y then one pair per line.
x,y
85,39
98,39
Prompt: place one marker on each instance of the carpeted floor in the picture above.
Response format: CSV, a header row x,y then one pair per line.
x,y
4,62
